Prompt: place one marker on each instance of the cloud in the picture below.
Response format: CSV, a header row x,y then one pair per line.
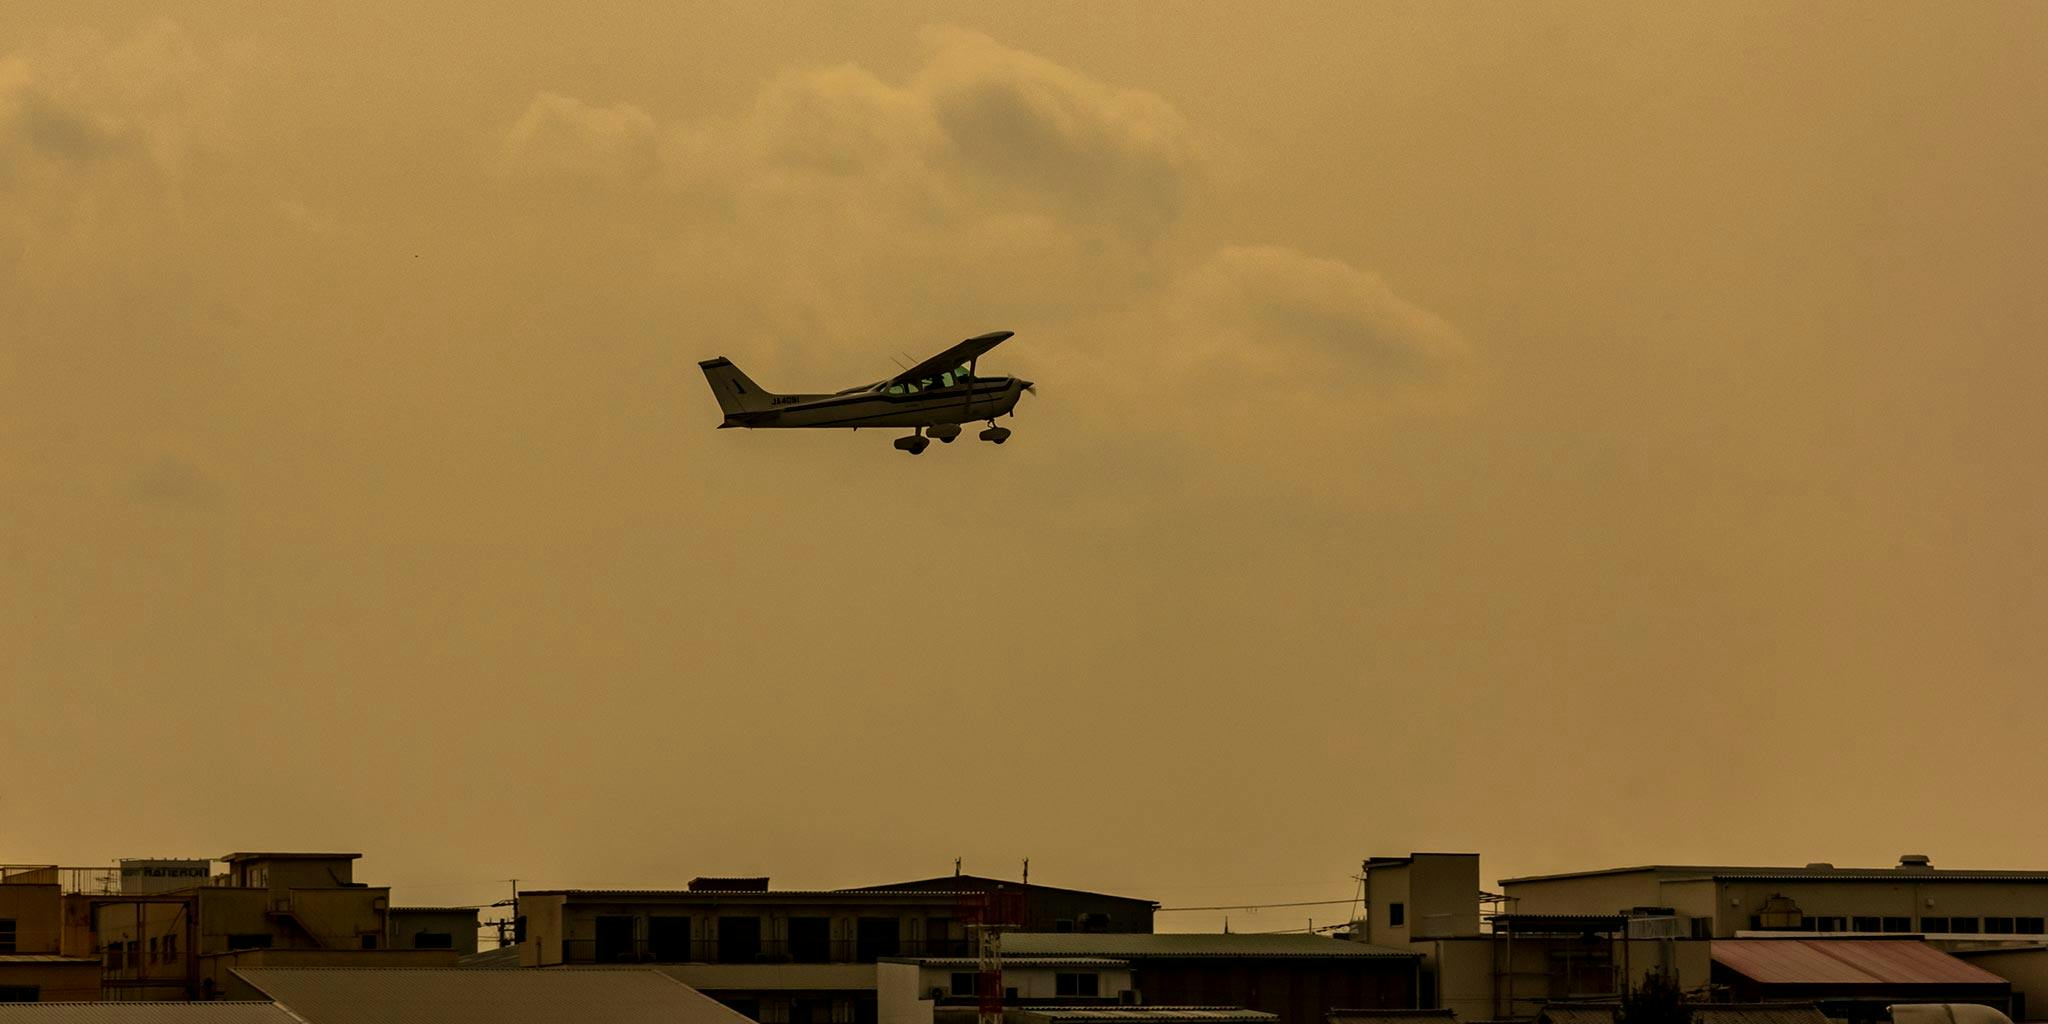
x,y
839,217
1275,314
564,137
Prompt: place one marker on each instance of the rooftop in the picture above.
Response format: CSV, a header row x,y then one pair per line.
x,y
1008,961
146,1013
1141,1013
1388,1017
978,883
341,995
1139,945
233,857
1911,867
1805,961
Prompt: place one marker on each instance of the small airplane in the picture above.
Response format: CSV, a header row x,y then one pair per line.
x,y
932,398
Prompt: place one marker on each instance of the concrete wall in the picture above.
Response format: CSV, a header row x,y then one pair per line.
x,y
1613,893
37,912
544,930
2027,969
901,995
408,923
1905,896
60,981
294,872
1443,895
1386,885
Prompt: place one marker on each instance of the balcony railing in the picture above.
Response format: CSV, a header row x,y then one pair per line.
x,y
778,951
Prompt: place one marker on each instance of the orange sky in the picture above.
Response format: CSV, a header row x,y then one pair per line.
x,y
1577,433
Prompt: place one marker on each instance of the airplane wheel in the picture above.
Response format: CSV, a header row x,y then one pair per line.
x,y
919,445
996,434
947,440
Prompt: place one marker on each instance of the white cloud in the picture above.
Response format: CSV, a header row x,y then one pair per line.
x,y
563,137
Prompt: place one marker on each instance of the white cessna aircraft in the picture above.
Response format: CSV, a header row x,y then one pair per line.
x,y
934,397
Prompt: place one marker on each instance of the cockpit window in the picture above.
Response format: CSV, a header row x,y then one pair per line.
x,y
895,389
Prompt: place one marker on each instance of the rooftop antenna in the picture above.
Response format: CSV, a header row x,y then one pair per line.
x,y
1027,871
956,867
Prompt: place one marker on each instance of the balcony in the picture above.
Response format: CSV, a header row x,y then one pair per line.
x,y
777,951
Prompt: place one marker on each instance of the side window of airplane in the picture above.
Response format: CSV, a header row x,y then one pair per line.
x,y
946,379
895,389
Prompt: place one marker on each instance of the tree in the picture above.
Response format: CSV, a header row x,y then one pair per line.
x,y
1656,1001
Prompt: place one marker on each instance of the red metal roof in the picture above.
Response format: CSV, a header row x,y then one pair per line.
x,y
1847,962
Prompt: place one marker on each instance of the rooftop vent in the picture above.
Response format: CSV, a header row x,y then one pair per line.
x,y
729,884
1913,861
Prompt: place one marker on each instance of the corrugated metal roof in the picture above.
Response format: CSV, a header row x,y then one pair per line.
x,y
743,895
146,1013
342,995
490,959
1846,962
45,958
1388,1017
1142,1013
1137,945
1757,1013
1009,961
1557,1014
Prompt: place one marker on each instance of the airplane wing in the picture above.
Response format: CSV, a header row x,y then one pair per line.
x,y
959,355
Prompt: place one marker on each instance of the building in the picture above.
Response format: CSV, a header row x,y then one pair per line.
x,y
452,928
1852,978
922,990
168,944
1045,908
1297,978
1702,1013
614,996
2025,965
1490,966
33,967
793,956
1711,901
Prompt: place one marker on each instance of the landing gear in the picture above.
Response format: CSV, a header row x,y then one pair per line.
x,y
915,444
995,434
944,433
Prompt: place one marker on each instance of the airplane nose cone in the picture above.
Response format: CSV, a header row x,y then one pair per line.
x,y
1027,385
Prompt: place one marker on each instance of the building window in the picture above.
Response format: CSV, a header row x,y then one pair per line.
x,y
1065,924
668,938
938,937
1866,924
114,960
250,940
1702,928
433,940
7,934
170,947
152,949
963,983
2027,925
810,940
1934,925
615,939
1397,914
369,942
1898,924
1962,926
875,937
1998,926
1064,984
739,942
21,993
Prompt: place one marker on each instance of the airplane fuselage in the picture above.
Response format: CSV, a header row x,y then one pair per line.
x,y
983,398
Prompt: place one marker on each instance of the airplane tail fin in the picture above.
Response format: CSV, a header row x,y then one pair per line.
x,y
737,394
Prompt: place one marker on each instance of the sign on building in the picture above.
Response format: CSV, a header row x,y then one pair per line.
x,y
163,875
